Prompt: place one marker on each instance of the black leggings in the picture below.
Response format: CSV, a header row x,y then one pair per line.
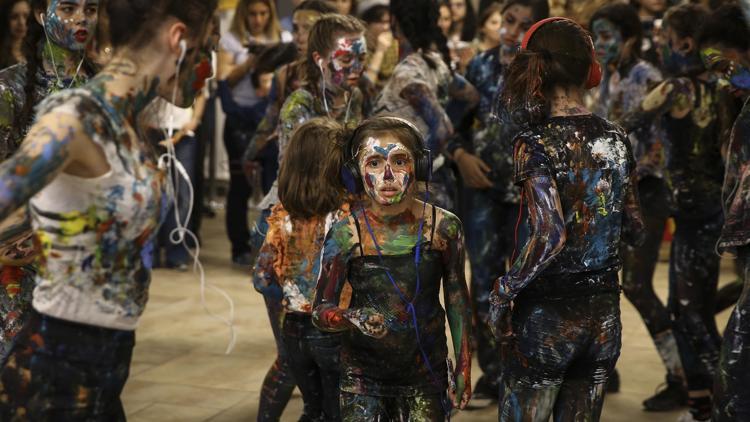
x,y
563,354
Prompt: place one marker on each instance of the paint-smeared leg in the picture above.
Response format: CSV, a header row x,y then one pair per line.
x,y
278,384
427,408
486,244
303,365
358,407
693,277
325,349
581,395
732,383
16,286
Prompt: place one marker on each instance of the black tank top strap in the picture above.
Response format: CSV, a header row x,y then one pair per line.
x,y
359,234
434,217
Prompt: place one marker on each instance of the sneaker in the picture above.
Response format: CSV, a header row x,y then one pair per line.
x,y
688,417
670,395
613,383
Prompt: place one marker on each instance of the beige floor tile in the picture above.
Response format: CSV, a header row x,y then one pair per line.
x,y
183,395
160,412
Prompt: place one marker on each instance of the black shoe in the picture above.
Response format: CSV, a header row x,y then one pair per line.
x,y
672,396
613,383
244,260
483,395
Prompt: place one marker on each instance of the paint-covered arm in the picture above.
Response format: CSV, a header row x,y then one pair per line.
x,y
49,147
633,226
673,96
7,119
265,276
458,307
546,237
426,104
297,109
327,315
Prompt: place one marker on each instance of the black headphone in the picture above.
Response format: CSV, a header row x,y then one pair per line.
x,y
352,178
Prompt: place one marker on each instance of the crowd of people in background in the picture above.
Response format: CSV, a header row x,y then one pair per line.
x,y
553,144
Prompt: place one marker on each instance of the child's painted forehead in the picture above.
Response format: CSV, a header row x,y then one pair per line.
x,y
383,144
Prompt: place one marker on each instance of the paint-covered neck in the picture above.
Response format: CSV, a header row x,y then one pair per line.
x,y
60,62
124,85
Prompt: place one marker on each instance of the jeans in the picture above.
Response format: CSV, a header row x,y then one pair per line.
x,y
314,360
563,354
64,371
278,383
237,136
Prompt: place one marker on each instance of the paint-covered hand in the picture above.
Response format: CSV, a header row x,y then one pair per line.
x,y
369,321
500,315
473,170
460,392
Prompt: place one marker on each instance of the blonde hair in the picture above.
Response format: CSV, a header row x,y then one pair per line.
x,y
272,31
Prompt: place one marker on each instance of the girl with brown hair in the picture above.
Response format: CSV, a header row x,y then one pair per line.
x,y
558,305
312,199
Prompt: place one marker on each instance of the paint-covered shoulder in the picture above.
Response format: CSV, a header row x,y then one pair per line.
x,y
341,237
645,73
300,99
449,226
12,83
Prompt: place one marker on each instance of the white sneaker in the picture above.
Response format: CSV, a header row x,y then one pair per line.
x,y
688,417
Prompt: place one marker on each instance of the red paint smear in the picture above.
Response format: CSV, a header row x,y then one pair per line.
x,y
203,71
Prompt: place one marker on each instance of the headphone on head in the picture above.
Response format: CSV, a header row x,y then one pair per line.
x,y
595,71
350,174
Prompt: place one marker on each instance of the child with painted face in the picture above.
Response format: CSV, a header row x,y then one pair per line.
x,y
312,199
627,80
55,52
558,305
697,113
336,53
394,250
485,160
728,34
95,194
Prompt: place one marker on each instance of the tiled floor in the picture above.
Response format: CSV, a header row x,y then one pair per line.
x,y
181,373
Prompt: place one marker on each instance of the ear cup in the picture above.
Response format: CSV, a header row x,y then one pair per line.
x,y
595,74
351,178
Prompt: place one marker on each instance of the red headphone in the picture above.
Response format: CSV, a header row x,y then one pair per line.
x,y
595,71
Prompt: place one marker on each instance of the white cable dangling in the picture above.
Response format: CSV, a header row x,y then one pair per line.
x,y
181,234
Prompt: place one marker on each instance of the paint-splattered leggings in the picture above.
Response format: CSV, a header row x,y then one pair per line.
x,y
693,277
489,240
638,268
732,383
563,353
63,371
314,360
360,407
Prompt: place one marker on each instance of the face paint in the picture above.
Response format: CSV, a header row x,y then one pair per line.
x,y
608,42
346,62
737,75
71,23
677,63
387,169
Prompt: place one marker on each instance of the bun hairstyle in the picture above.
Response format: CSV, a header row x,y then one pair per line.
x,y
309,178
134,22
417,21
625,18
558,54
321,40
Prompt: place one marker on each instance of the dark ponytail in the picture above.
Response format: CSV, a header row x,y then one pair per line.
x,y
558,54
417,21
134,22
32,41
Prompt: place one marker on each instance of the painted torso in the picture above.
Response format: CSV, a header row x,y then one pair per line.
x,y
736,190
591,162
97,234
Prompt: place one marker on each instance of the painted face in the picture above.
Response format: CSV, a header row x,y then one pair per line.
x,y
346,61
387,169
491,28
517,19
71,24
258,15
445,19
200,64
607,41
19,14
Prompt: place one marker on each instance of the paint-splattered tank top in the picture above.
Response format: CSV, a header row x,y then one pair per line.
x,y
97,234
393,366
